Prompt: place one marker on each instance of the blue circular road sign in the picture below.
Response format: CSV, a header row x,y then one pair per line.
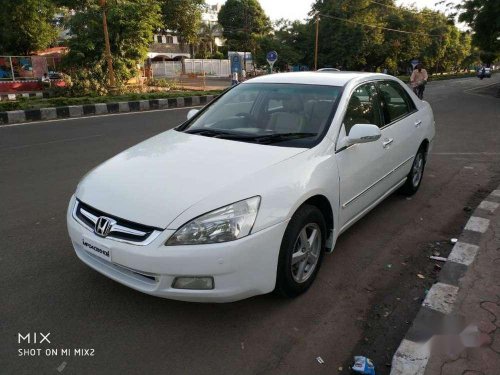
x,y
271,57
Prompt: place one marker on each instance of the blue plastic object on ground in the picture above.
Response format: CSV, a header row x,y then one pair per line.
x,y
363,365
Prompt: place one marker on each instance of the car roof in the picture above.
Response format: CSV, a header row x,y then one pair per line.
x,y
316,78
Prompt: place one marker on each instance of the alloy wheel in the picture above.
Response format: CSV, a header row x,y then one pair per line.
x,y
306,252
417,169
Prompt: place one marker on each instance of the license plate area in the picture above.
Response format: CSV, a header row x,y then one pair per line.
x,y
97,249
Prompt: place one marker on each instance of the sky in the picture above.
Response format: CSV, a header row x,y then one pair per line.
x,y
298,9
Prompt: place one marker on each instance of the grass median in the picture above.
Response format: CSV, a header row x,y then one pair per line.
x,y
67,101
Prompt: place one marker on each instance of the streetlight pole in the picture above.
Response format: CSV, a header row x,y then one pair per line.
x,y
316,44
112,82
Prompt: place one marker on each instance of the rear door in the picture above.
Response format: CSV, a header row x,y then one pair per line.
x,y
402,126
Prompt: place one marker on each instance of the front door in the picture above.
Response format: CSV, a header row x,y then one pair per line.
x,y
362,167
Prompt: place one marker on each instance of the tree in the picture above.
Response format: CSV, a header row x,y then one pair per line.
x,y
207,34
483,16
244,23
131,24
349,44
183,17
26,26
287,40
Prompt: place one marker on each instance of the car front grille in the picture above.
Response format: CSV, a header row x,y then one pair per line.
x,y
121,229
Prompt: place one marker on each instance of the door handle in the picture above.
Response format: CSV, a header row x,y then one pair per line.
x,y
387,142
418,123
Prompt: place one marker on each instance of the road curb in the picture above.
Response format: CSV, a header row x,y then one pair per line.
x,y
75,111
413,353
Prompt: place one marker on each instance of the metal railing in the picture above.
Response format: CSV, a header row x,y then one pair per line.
x,y
208,67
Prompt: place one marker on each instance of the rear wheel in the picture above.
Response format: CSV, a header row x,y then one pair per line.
x,y
301,251
414,178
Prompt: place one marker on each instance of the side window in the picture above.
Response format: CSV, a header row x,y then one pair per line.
x,y
395,101
363,107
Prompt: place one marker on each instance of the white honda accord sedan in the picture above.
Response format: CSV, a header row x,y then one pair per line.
x,y
249,193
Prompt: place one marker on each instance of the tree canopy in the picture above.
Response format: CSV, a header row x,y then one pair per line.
x,y
483,16
26,26
131,24
359,34
244,22
182,16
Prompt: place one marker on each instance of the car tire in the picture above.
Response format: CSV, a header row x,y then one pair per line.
x,y
414,178
299,259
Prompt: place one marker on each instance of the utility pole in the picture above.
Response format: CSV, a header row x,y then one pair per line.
x,y
316,44
112,82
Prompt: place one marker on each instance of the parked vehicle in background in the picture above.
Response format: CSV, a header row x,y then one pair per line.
x,y
328,70
249,193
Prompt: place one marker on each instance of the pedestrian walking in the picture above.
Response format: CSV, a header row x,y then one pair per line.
x,y
418,80
234,79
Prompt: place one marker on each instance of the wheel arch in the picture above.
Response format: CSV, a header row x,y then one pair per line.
x,y
323,204
425,145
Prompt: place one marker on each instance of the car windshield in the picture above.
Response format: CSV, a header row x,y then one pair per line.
x,y
292,115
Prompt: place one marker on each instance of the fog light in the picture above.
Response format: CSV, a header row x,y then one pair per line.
x,y
199,283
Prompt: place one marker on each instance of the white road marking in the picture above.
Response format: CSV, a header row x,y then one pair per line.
x,y
489,206
411,358
51,142
441,297
477,224
95,116
463,253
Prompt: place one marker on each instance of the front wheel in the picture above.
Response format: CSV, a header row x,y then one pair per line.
x,y
414,178
301,251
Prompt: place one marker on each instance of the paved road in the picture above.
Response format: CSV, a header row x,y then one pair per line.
x,y
364,295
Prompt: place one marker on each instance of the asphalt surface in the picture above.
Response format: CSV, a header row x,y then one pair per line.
x,y
365,296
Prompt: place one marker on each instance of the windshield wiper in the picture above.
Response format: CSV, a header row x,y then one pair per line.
x,y
217,133
281,137
265,139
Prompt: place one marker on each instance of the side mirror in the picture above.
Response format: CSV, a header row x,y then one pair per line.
x,y
362,133
191,113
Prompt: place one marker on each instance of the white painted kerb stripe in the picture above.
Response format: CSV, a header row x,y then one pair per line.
x,y
496,193
489,206
463,253
410,358
441,298
477,224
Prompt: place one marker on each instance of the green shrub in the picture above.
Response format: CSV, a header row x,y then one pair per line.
x,y
159,82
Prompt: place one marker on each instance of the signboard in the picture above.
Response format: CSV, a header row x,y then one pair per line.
x,y
235,64
271,58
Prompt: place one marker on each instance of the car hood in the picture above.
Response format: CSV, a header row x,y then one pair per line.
x,y
155,181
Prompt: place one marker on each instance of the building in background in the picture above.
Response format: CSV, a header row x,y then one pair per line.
x,y
168,46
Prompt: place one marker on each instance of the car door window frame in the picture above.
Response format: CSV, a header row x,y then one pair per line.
x,y
406,97
381,117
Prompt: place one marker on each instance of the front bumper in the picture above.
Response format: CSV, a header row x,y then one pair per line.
x,y
241,268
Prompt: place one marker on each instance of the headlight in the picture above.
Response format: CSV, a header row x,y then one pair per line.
x,y
224,224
